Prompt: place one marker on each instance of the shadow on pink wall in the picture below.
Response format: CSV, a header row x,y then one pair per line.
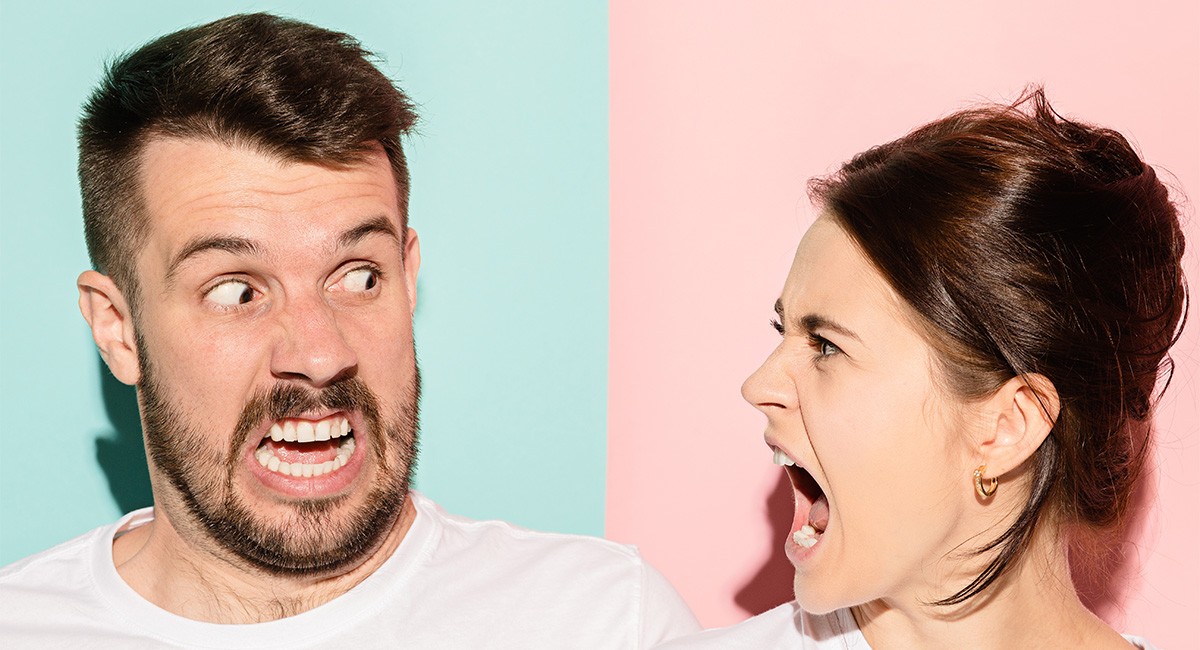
x,y
772,583
1103,571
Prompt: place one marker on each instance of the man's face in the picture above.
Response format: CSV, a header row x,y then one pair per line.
x,y
278,382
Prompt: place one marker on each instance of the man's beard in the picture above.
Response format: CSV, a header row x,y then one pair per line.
x,y
309,539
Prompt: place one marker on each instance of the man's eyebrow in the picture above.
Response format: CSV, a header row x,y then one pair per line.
x,y
380,224
814,322
226,243
243,246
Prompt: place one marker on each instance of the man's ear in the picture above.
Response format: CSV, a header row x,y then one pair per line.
x,y
107,313
412,263
1019,417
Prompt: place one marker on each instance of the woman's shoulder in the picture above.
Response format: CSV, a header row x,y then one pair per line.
x,y
786,626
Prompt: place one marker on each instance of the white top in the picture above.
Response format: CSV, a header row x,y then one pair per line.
x,y
452,583
788,626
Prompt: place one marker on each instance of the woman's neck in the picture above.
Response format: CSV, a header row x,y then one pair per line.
x,y
1033,605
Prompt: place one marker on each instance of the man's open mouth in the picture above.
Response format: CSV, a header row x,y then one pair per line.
x,y
307,448
812,507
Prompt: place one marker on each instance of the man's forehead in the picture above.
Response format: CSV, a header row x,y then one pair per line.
x,y
198,188
243,163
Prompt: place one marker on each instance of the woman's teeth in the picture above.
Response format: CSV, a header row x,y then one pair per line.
x,y
806,536
782,459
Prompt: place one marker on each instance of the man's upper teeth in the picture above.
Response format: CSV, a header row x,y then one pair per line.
x,y
306,431
783,459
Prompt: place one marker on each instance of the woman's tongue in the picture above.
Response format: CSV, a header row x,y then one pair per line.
x,y
818,515
808,490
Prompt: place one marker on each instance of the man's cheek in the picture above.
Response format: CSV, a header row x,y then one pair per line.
x,y
213,372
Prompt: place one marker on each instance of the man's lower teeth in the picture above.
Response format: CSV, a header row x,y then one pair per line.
x,y
305,470
806,536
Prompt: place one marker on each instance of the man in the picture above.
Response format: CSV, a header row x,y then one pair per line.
x,y
245,205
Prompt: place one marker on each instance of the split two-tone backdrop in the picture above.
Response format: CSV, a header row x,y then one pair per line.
x,y
608,196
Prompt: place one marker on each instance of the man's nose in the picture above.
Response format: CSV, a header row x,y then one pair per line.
x,y
312,346
771,389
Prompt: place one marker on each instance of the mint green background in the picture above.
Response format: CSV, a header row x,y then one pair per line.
x,y
510,197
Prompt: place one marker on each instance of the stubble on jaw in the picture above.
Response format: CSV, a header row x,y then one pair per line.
x,y
311,540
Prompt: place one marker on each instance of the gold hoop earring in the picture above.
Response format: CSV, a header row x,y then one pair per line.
x,y
993,483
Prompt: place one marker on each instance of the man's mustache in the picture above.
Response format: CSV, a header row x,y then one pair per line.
x,y
285,400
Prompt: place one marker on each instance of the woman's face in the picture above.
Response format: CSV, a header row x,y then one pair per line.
x,y
883,472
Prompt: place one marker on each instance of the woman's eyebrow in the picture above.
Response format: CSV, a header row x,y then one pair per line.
x,y
813,322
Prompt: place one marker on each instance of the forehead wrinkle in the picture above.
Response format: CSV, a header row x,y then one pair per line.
x,y
209,243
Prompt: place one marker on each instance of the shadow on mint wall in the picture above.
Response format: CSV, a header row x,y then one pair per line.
x,y
120,453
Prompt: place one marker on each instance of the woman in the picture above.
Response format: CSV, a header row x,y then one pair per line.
x,y
973,331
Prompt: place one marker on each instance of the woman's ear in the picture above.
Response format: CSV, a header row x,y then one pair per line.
x,y
107,313
1019,417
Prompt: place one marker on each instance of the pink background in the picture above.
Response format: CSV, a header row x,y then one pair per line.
x,y
718,118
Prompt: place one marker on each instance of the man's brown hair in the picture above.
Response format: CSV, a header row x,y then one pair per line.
x,y
286,88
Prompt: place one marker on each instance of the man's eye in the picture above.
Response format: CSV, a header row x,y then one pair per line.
x,y
231,293
360,280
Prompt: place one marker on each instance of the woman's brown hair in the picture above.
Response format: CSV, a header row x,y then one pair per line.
x,y
1028,243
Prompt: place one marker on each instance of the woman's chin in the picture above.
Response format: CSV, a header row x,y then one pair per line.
x,y
811,600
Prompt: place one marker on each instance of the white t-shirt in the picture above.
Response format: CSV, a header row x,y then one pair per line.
x,y
452,583
789,627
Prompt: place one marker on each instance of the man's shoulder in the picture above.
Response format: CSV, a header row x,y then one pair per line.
x,y
498,552
785,626
463,534
780,627
545,587
54,591
64,560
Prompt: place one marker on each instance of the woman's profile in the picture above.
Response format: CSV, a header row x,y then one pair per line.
x,y
974,334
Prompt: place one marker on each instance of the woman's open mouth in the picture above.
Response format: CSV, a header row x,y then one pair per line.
x,y
812,507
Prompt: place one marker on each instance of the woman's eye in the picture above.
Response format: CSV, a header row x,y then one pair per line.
x,y
231,293
777,326
822,346
360,280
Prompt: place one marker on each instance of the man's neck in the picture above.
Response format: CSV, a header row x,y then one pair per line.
x,y
167,570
